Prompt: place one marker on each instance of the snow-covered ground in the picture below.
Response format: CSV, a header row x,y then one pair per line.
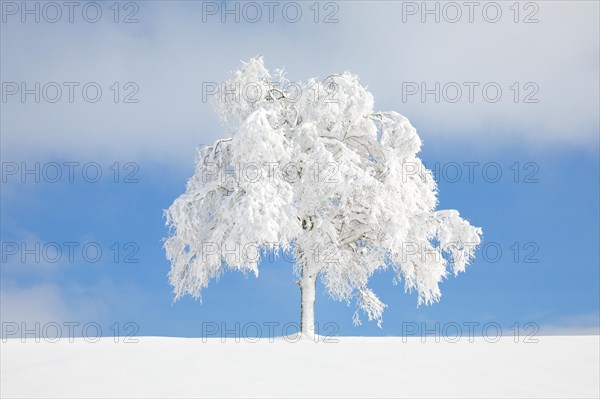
x,y
556,366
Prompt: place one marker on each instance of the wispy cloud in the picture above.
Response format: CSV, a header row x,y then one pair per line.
x,y
578,324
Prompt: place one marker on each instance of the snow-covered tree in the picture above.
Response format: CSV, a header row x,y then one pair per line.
x,y
312,168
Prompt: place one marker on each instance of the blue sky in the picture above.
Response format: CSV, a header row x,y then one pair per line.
x,y
550,213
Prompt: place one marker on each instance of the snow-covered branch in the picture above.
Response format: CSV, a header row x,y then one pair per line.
x,y
348,188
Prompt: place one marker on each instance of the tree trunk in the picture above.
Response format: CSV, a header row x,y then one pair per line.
x,y
308,288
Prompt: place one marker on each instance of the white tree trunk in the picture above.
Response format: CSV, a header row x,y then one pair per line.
x,y
308,288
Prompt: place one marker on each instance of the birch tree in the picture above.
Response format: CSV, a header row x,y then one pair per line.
x,y
313,170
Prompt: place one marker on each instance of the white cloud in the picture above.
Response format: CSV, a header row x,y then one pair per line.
x,y
104,302
578,324
171,52
40,303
